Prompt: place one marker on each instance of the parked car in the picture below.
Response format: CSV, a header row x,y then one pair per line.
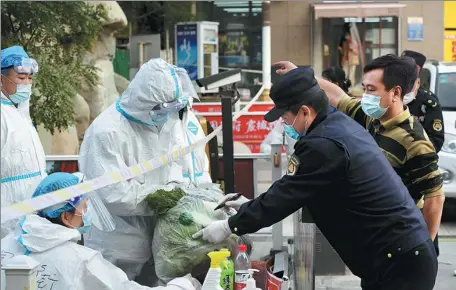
x,y
440,78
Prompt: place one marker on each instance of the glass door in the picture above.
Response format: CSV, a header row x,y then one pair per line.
x,y
378,36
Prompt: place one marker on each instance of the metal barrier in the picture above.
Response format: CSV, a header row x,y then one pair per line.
x,y
303,256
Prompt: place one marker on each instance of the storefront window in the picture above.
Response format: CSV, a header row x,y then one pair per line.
x,y
240,26
377,35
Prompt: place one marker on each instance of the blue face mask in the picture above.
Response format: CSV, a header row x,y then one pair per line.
x,y
291,131
22,94
87,222
371,106
160,119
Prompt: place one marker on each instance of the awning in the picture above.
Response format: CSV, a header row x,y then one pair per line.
x,y
359,10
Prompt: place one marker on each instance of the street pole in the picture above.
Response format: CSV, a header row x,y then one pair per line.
x,y
266,38
228,146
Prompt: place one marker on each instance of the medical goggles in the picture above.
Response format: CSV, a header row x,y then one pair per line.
x,y
170,107
73,203
22,65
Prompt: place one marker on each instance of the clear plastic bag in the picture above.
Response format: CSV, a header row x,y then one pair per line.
x,y
175,252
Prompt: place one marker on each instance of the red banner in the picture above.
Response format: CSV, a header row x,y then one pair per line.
x,y
249,129
207,107
216,107
261,107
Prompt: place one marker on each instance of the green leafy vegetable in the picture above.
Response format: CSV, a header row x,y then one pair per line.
x,y
186,219
161,201
176,252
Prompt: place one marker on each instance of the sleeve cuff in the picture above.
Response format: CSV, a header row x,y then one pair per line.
x,y
233,228
434,193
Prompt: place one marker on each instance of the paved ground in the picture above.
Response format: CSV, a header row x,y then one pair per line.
x,y
445,278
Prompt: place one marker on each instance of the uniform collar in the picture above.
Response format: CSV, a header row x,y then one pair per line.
x,y
320,118
399,119
5,101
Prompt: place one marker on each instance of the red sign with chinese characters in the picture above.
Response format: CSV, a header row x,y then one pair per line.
x,y
217,107
250,129
207,107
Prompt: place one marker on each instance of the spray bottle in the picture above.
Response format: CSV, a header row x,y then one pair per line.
x,y
212,280
251,283
227,279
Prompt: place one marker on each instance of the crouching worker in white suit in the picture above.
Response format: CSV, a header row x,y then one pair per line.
x,y
148,120
54,239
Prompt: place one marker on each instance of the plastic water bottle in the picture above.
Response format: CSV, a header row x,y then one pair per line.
x,y
241,268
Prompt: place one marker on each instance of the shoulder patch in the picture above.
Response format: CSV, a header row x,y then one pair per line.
x,y
431,103
293,165
437,125
192,128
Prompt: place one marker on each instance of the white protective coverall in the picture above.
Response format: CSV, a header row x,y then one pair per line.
x,y
275,136
64,264
22,157
123,136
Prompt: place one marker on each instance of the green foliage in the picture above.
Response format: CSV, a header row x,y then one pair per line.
x,y
161,201
58,35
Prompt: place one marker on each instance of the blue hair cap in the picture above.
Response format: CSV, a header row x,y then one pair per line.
x,y
11,53
54,182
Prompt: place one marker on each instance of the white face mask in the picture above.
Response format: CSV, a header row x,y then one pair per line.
x,y
408,98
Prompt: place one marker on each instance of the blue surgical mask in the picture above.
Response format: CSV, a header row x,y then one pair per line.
x,y
371,106
22,94
87,222
160,119
291,131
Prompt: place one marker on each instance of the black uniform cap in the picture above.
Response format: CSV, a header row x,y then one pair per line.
x,y
419,58
294,88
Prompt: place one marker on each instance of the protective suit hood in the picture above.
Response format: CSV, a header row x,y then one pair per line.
x,y
37,234
155,83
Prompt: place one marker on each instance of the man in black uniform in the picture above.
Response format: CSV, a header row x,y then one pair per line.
x,y
425,106
353,194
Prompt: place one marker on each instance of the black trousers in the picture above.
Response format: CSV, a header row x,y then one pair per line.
x,y
412,270
436,245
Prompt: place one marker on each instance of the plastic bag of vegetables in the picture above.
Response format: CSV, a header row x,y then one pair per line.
x,y
181,213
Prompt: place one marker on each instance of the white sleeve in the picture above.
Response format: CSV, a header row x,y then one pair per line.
x,y
202,162
100,274
103,155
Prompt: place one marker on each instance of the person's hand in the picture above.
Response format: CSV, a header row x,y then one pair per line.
x,y
187,282
196,284
215,233
236,204
284,67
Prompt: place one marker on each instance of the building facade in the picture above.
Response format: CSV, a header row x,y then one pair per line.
x,y
312,32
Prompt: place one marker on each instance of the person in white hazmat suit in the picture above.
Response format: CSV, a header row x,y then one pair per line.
x,y
54,239
276,136
151,118
22,156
